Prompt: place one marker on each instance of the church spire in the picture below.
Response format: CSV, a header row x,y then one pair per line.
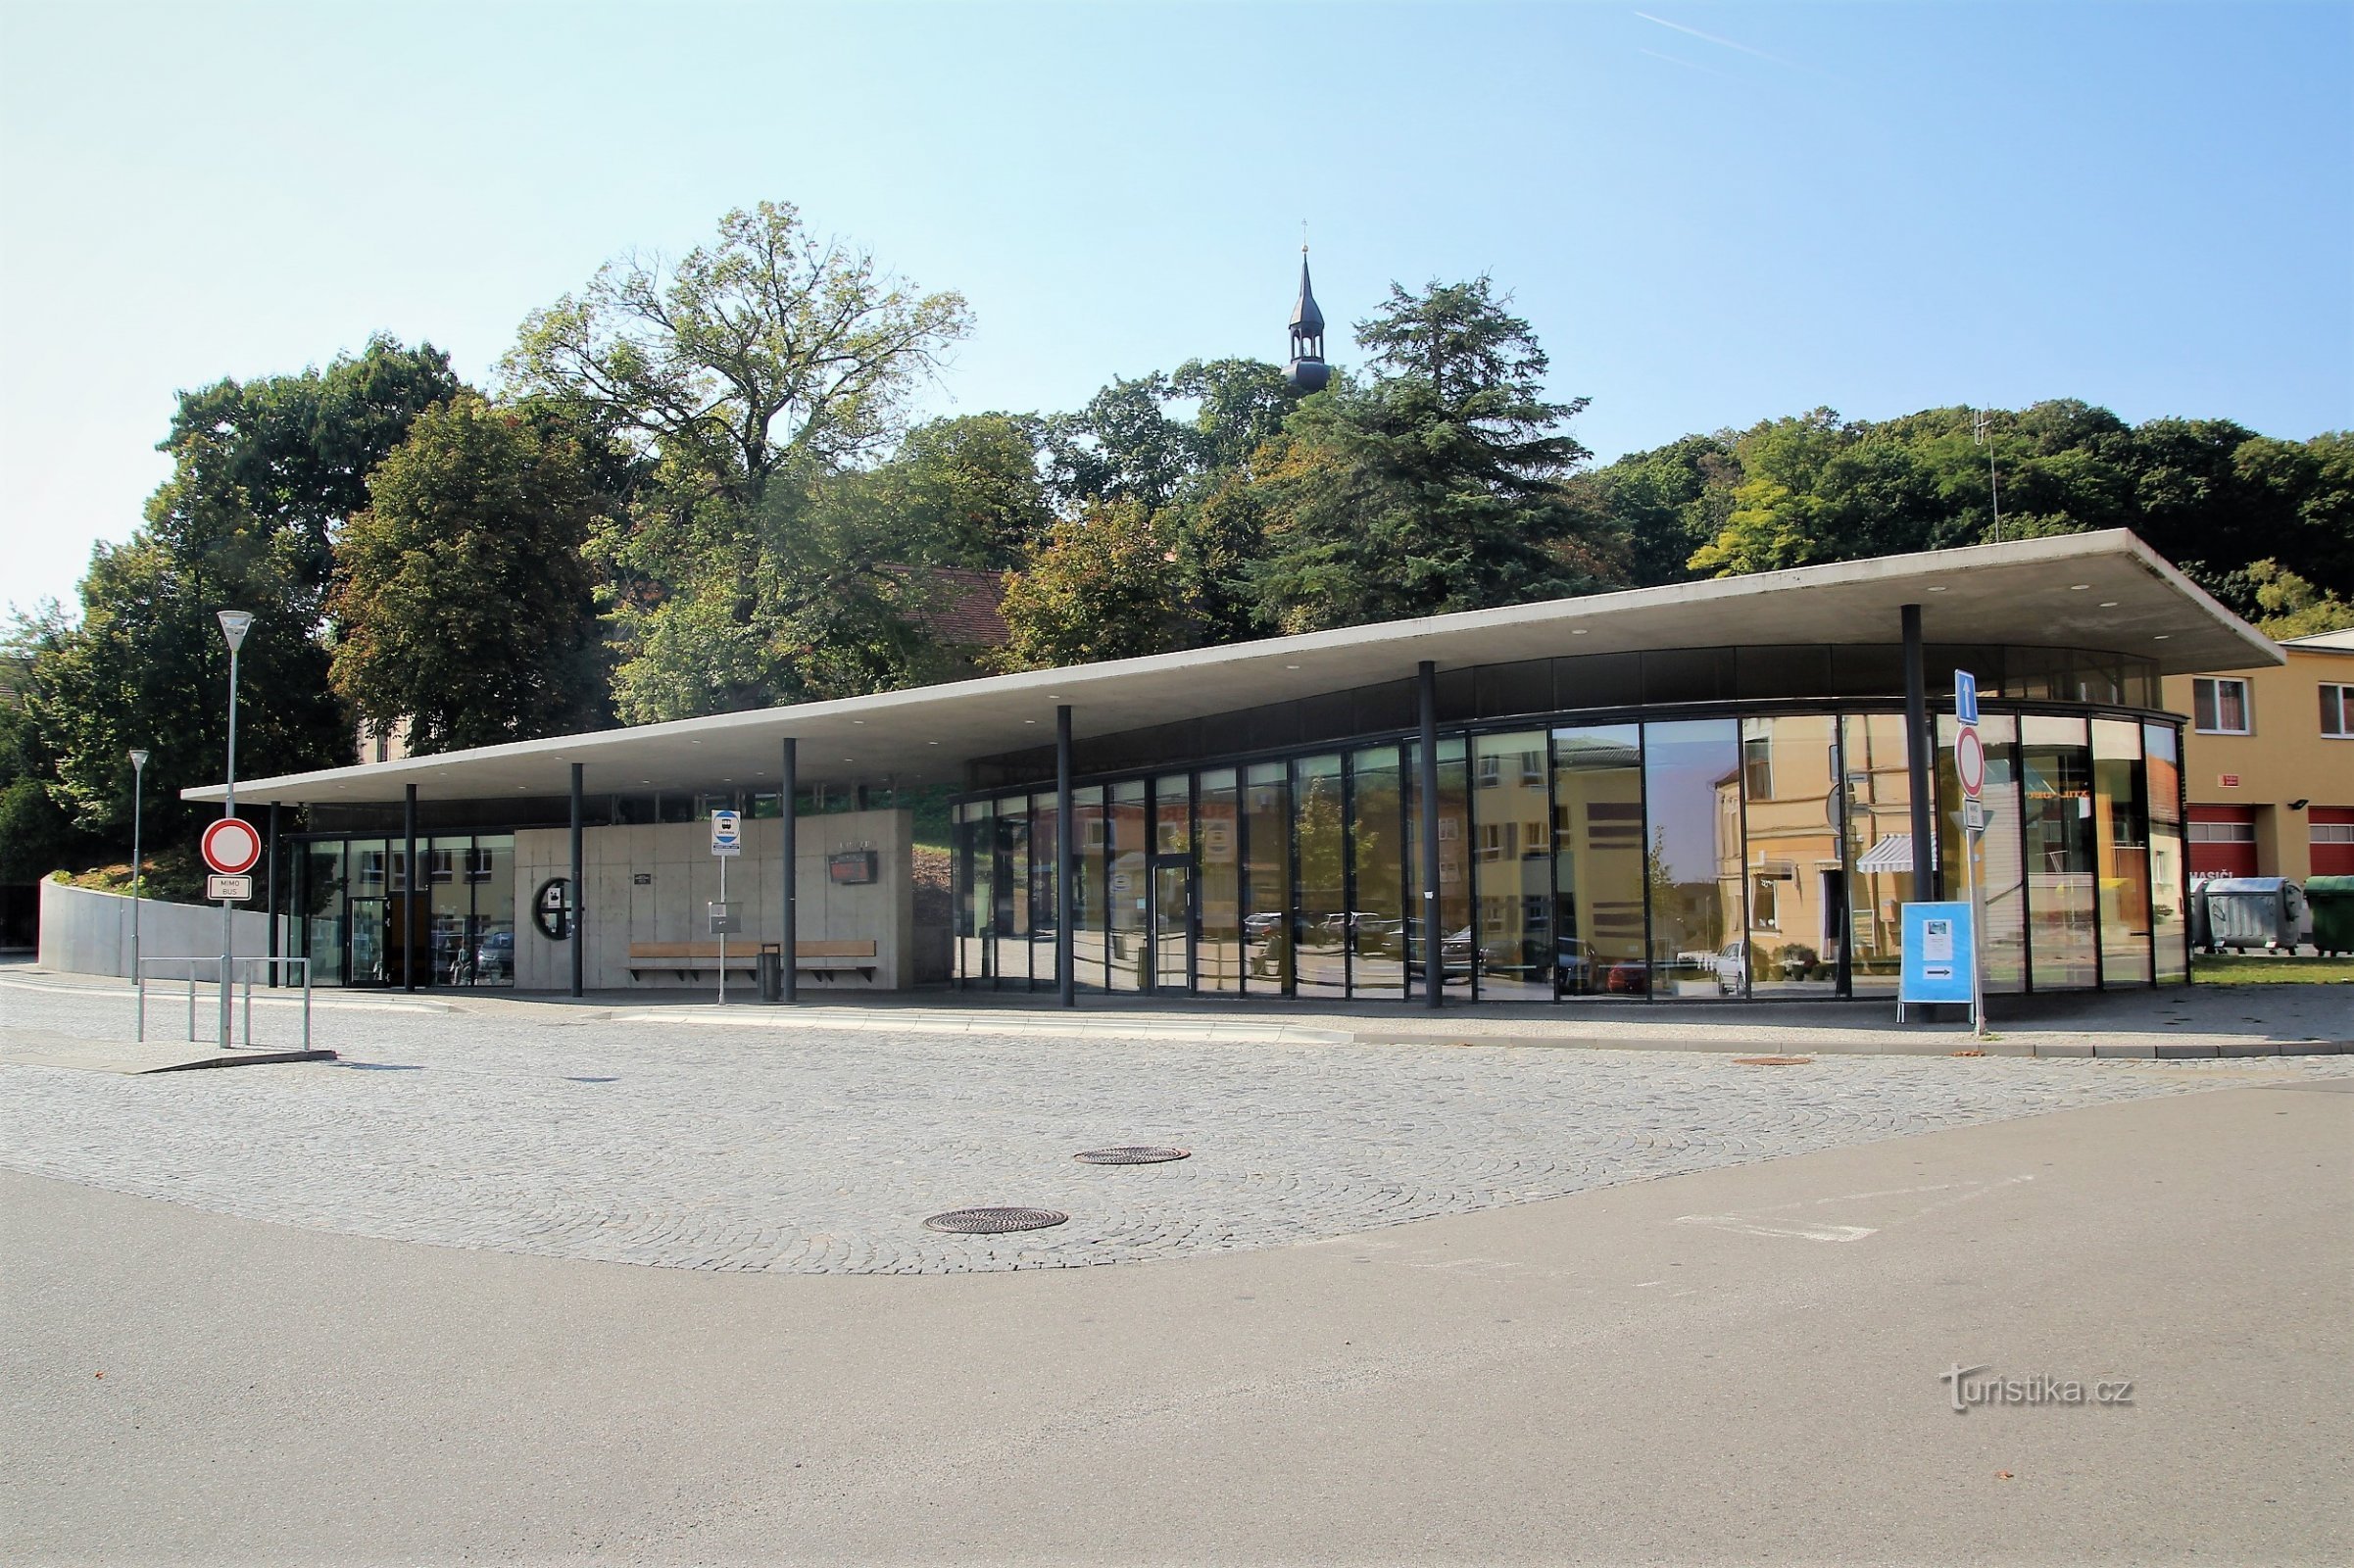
x,y
1308,372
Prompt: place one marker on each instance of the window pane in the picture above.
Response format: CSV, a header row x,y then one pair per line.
x,y
1797,883
1126,902
1454,880
1323,879
1045,827
1267,878
972,837
1692,796
2002,904
1088,943
1376,921
2202,704
1880,849
1598,863
1512,864
2121,842
2163,769
493,929
1218,956
2056,839
2231,704
1173,885
1012,888
324,913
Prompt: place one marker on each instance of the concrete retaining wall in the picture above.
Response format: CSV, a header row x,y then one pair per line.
x,y
88,932
651,884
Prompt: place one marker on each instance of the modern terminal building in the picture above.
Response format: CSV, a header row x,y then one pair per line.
x,y
1720,790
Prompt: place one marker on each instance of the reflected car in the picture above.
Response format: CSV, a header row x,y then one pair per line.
x,y
1731,966
494,956
1627,979
1260,927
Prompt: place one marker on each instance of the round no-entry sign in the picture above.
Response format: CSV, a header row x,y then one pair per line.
x,y
231,847
1970,759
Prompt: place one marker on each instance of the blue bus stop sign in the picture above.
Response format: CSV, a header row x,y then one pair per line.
x,y
1965,697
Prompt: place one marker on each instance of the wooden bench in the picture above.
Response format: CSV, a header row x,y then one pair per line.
x,y
824,959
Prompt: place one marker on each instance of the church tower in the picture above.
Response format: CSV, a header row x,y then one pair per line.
x,y
1308,372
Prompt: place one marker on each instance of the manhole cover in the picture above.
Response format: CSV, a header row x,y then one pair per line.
x,y
1773,1061
995,1221
1132,1155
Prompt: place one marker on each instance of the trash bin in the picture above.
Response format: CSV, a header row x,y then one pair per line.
x,y
2331,899
2251,911
769,966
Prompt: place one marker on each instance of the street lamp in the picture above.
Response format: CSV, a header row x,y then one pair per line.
x,y
138,794
234,623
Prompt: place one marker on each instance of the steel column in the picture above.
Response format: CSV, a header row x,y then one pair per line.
x,y
1919,748
1066,853
409,886
789,788
269,895
577,885
1434,966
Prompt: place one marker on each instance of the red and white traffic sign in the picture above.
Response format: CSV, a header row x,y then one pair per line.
x,y
1970,760
231,847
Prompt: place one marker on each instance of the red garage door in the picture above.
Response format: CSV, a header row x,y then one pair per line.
x,y
2223,840
2333,841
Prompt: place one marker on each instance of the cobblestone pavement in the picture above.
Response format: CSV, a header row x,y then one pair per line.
x,y
569,1132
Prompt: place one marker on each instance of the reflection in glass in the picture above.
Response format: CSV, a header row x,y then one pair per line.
x,y
1375,926
2002,901
1218,950
1044,826
1013,887
1323,879
1128,884
2056,841
1692,795
1880,849
2170,934
323,912
1798,880
1267,878
1172,882
1512,852
2121,845
1088,826
1454,880
1599,878
974,841
492,873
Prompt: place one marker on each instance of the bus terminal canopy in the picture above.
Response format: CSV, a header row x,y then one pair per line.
x,y
2104,592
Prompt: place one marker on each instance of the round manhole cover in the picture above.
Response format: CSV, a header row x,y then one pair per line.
x,y
995,1221
1132,1155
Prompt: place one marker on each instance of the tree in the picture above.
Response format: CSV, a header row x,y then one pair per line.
x,y
748,374
259,470
1437,485
2292,607
965,491
463,607
1098,589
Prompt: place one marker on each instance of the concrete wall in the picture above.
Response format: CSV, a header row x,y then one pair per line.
x,y
88,932
651,884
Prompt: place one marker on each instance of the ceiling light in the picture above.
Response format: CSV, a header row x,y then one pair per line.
x,y
2108,603
1029,720
1577,631
931,743
1291,666
2161,637
1937,588
2078,587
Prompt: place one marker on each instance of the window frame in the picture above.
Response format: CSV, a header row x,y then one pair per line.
x,y
2212,687
2344,701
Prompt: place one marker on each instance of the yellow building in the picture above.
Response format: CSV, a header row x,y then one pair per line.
x,y
2269,764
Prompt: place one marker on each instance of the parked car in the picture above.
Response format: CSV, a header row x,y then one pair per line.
x,y
1260,927
1731,966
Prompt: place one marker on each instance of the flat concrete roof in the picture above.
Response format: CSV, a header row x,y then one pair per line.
x,y
2107,592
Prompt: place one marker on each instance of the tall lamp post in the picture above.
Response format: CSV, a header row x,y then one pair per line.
x,y
234,625
138,866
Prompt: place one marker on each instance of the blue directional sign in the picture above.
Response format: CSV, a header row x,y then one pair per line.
x,y
1965,697
1938,951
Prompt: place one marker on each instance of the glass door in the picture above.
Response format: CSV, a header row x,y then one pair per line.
x,y
1172,922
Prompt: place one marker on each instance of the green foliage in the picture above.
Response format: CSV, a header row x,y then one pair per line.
x,y
964,492
1098,589
1434,487
461,602
748,376
2291,607
260,472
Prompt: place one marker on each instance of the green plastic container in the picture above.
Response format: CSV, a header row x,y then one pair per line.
x,y
2332,900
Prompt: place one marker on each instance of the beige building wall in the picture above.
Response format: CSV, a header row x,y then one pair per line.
x,y
2286,756
651,884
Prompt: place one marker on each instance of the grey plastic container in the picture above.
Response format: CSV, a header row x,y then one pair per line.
x,y
2250,912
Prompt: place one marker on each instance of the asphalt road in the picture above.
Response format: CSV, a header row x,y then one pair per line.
x,y
1735,1365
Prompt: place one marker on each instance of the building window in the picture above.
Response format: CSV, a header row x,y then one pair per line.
x,y
2219,705
2337,712
2223,832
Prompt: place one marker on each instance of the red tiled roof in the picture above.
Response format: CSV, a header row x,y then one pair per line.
x,y
965,614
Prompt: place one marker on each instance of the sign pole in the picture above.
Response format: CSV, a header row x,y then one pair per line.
x,y
724,932
234,625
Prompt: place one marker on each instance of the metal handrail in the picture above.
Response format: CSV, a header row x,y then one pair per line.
x,y
224,973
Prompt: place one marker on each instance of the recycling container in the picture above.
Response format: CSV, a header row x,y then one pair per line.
x,y
2332,900
2251,911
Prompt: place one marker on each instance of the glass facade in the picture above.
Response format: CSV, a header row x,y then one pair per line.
x,y
1765,854
355,898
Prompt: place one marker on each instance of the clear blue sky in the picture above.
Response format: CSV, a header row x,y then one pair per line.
x,y
1711,212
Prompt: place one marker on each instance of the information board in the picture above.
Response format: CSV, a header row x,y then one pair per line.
x,y
1938,953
